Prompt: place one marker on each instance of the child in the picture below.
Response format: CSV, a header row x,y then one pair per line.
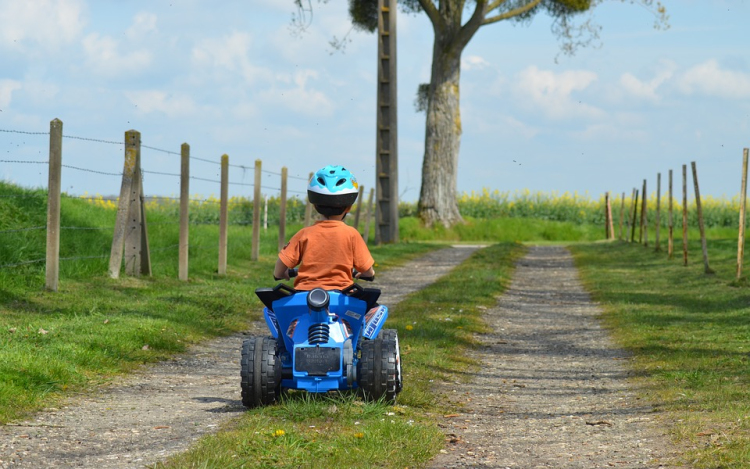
x,y
328,250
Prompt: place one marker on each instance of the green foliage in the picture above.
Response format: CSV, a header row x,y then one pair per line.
x,y
364,13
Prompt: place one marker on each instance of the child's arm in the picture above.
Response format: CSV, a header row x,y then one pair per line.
x,y
367,273
281,271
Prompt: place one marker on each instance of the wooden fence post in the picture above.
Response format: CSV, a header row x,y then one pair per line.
x,y
607,215
684,217
368,218
359,206
743,207
282,208
701,226
256,211
223,214
145,267
644,216
265,212
308,209
134,238
635,213
118,237
622,214
53,205
670,241
657,246
129,234
184,212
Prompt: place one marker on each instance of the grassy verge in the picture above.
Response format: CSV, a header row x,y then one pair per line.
x,y
435,327
690,334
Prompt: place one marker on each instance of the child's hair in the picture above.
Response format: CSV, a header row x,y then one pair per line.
x,y
328,210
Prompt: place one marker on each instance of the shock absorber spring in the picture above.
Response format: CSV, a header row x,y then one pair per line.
x,y
318,334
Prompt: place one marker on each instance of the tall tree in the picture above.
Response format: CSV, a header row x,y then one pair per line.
x,y
455,22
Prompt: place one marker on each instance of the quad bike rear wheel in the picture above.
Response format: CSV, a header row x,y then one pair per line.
x,y
379,369
260,371
392,334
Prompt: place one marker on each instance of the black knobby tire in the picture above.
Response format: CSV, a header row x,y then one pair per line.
x,y
260,371
377,370
392,334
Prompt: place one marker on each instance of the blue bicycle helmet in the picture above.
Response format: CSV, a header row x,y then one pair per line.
x,y
333,186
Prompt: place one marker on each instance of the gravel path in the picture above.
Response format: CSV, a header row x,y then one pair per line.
x,y
553,391
164,408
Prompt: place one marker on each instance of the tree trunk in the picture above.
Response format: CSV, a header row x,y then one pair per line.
x,y
438,196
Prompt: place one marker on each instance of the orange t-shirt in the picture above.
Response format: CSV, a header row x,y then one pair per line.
x,y
327,252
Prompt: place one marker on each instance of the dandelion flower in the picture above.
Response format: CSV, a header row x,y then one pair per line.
x,y
279,433
409,327
359,435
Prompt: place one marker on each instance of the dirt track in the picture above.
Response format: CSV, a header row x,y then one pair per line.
x,y
553,391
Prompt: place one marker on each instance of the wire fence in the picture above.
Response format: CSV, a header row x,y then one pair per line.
x,y
40,196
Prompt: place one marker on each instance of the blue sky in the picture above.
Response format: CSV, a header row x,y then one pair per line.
x,y
232,77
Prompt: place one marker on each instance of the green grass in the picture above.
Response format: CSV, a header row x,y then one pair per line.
x,y
339,430
690,335
495,230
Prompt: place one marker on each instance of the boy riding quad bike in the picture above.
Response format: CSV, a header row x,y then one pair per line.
x,y
327,332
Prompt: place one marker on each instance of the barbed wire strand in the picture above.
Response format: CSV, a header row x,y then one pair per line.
x,y
24,162
23,132
97,140
23,263
16,230
91,170
105,256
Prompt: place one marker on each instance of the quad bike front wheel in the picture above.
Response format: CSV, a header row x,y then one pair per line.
x,y
379,369
260,371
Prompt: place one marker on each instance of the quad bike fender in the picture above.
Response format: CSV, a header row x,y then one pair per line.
x,y
272,322
374,321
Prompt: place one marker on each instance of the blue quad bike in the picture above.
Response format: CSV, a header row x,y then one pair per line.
x,y
321,341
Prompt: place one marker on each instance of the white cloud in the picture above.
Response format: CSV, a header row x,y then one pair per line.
x,y
710,79
301,98
104,57
648,89
143,25
229,53
473,62
551,92
47,23
7,87
158,101
613,133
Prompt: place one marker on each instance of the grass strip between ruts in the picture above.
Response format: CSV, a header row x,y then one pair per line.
x,y
436,326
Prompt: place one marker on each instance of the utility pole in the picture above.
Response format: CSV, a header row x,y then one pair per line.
x,y
387,126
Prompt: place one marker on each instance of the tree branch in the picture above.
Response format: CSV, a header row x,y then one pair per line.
x,y
510,13
470,28
432,13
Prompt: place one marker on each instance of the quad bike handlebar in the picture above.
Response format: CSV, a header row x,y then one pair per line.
x,y
293,273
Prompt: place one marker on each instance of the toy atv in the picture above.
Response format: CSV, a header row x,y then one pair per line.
x,y
321,341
